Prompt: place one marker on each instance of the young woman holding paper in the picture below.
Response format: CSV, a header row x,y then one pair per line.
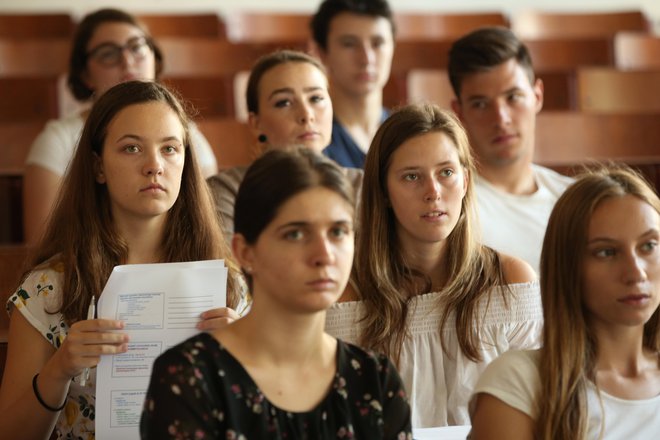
x,y
275,373
133,194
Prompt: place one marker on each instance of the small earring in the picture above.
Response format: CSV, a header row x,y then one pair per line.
x,y
262,138
248,269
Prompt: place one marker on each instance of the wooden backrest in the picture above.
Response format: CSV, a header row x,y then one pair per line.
x,y
430,86
16,139
232,141
28,98
34,57
267,27
437,26
612,90
36,26
206,56
565,138
210,96
563,54
184,25
636,51
537,24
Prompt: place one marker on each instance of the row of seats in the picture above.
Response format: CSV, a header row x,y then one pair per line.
x,y
264,27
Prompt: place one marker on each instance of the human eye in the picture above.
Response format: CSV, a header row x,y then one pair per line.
x,y
131,148
316,99
170,149
293,235
411,177
478,104
516,96
347,43
649,246
340,231
282,103
447,172
108,53
377,43
138,47
604,252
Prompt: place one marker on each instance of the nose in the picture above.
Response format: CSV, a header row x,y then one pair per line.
x,y
432,190
634,270
306,114
322,252
502,112
153,165
367,54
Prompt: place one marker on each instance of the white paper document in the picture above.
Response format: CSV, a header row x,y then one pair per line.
x,y
160,305
442,433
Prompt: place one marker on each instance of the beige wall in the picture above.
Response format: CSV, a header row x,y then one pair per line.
x,y
78,7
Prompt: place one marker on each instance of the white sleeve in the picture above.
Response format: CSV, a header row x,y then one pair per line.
x,y
54,146
203,151
512,378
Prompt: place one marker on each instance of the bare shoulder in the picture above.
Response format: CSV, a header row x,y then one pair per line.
x,y
516,270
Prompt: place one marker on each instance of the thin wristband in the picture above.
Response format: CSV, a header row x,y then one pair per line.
x,y
41,400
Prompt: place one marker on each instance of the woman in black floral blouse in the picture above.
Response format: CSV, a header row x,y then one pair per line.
x,y
275,373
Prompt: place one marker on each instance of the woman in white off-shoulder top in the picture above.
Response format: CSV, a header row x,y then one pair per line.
x,y
424,291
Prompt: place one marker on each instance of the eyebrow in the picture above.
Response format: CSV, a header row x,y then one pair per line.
x,y
416,167
306,224
290,90
506,92
651,231
139,138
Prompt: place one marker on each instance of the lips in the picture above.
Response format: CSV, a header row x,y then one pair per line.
x,y
635,299
505,137
434,215
309,135
154,187
322,284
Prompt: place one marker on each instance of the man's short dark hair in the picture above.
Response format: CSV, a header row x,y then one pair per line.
x,y
484,49
329,9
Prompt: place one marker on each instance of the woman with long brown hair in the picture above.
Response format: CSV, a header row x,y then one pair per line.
x,y
134,193
426,292
597,375
275,374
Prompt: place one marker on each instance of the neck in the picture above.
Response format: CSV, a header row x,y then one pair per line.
x,y
516,178
429,259
620,350
362,111
143,238
279,336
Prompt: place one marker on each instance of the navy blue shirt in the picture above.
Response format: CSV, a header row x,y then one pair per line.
x,y
343,149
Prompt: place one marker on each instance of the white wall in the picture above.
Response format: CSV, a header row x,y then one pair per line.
x,y
79,7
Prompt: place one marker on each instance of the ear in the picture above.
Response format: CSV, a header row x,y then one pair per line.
x,y
538,94
243,253
253,123
98,169
456,107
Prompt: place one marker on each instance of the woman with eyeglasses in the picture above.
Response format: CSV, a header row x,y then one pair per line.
x,y
109,47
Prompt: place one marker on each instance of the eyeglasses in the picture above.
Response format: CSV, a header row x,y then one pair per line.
x,y
111,54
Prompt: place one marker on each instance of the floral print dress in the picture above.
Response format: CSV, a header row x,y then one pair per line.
x,y
37,297
198,390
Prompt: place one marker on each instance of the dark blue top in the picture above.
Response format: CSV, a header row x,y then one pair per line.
x,y
343,149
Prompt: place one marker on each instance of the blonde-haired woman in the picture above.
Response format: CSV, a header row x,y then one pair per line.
x,y
599,368
426,292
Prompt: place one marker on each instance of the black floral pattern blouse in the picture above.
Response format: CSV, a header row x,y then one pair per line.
x,y
198,391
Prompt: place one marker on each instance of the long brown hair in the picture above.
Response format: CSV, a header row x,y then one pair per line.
x,y
570,349
81,233
384,281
